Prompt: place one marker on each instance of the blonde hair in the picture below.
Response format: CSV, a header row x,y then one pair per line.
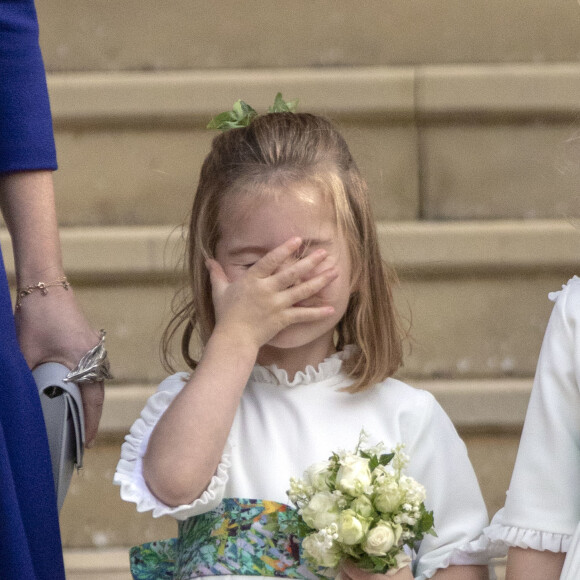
x,y
294,148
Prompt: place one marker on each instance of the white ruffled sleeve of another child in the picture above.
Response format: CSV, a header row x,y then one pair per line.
x,y
129,474
542,508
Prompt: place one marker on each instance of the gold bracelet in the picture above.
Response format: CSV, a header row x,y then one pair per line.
x,y
42,286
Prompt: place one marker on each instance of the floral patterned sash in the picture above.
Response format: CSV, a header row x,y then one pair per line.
x,y
244,537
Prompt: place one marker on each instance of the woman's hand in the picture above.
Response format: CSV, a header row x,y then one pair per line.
x,y
349,571
52,328
263,300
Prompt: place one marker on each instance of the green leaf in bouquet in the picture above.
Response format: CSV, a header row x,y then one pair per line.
x,y
376,564
282,106
426,521
386,458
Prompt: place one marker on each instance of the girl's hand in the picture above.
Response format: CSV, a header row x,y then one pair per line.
x,y
349,571
52,328
262,301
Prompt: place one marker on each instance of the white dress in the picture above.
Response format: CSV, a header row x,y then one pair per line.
x,y
284,426
542,509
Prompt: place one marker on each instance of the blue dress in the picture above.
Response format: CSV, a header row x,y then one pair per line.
x,y
30,545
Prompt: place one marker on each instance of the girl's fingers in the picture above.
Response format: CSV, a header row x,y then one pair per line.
x,y
310,287
308,314
293,273
267,265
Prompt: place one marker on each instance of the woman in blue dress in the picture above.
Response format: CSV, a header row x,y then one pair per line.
x,y
49,325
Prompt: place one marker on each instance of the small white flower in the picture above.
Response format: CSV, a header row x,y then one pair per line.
x,y
414,492
321,549
406,519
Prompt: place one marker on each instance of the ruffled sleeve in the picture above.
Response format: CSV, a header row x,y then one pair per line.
x,y
503,535
129,473
542,506
440,462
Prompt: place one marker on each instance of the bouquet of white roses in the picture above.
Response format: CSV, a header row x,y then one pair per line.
x,y
360,505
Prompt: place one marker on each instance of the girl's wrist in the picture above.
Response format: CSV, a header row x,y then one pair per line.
x,y
231,338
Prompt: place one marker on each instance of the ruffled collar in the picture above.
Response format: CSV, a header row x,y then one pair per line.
x,y
328,368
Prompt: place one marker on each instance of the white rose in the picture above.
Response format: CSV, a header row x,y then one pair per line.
x,y
381,538
318,474
354,475
321,550
321,511
363,506
388,495
351,527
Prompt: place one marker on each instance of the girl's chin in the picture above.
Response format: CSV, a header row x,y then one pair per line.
x,y
300,335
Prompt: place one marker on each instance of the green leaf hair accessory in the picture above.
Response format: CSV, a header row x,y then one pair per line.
x,y
282,106
242,114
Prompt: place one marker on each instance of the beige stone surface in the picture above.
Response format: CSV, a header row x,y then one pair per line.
x,y
476,326
493,456
443,142
94,515
183,34
488,90
132,176
181,95
134,316
487,171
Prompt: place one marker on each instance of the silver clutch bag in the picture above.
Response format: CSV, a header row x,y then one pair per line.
x,y
62,408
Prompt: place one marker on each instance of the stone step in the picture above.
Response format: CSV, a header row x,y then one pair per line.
x,y
487,282
149,35
434,142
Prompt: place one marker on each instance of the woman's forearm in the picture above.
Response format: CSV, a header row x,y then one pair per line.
x,y
51,326
28,207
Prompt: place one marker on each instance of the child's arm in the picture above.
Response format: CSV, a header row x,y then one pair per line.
x,y
528,564
462,573
186,445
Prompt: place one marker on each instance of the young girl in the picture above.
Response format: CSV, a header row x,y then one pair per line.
x,y
294,312
540,522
